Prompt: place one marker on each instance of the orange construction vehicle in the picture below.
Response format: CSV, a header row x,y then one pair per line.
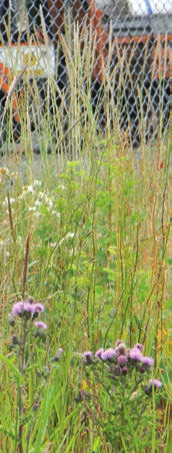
x,y
147,53
142,56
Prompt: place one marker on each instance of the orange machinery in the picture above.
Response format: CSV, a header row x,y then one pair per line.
x,y
160,52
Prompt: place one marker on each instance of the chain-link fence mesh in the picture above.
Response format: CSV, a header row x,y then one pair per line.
x,y
63,61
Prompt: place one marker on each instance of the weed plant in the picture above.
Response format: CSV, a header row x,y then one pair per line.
x,y
84,261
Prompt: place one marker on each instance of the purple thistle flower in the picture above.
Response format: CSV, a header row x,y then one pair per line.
x,y
155,382
135,354
17,309
87,354
148,361
29,307
109,354
38,308
88,357
139,346
28,310
99,353
152,382
122,360
41,325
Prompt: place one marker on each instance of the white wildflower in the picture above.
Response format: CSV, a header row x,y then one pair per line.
x,y
37,183
4,171
57,214
42,195
50,203
29,189
69,235
5,202
38,203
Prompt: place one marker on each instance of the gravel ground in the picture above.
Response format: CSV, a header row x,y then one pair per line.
x,y
39,166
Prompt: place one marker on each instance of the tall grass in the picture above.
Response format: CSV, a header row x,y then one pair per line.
x,y
87,233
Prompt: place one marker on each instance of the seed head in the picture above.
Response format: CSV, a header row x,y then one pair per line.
x,y
118,342
58,355
121,349
124,370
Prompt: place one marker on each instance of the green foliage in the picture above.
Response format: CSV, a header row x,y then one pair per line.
x,y
120,412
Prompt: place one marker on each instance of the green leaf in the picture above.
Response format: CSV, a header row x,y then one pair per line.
x,y
15,371
44,417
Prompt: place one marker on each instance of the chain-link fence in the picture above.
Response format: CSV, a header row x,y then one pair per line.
x,y
63,61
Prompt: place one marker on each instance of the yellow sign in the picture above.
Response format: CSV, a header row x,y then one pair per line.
x,y
29,58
